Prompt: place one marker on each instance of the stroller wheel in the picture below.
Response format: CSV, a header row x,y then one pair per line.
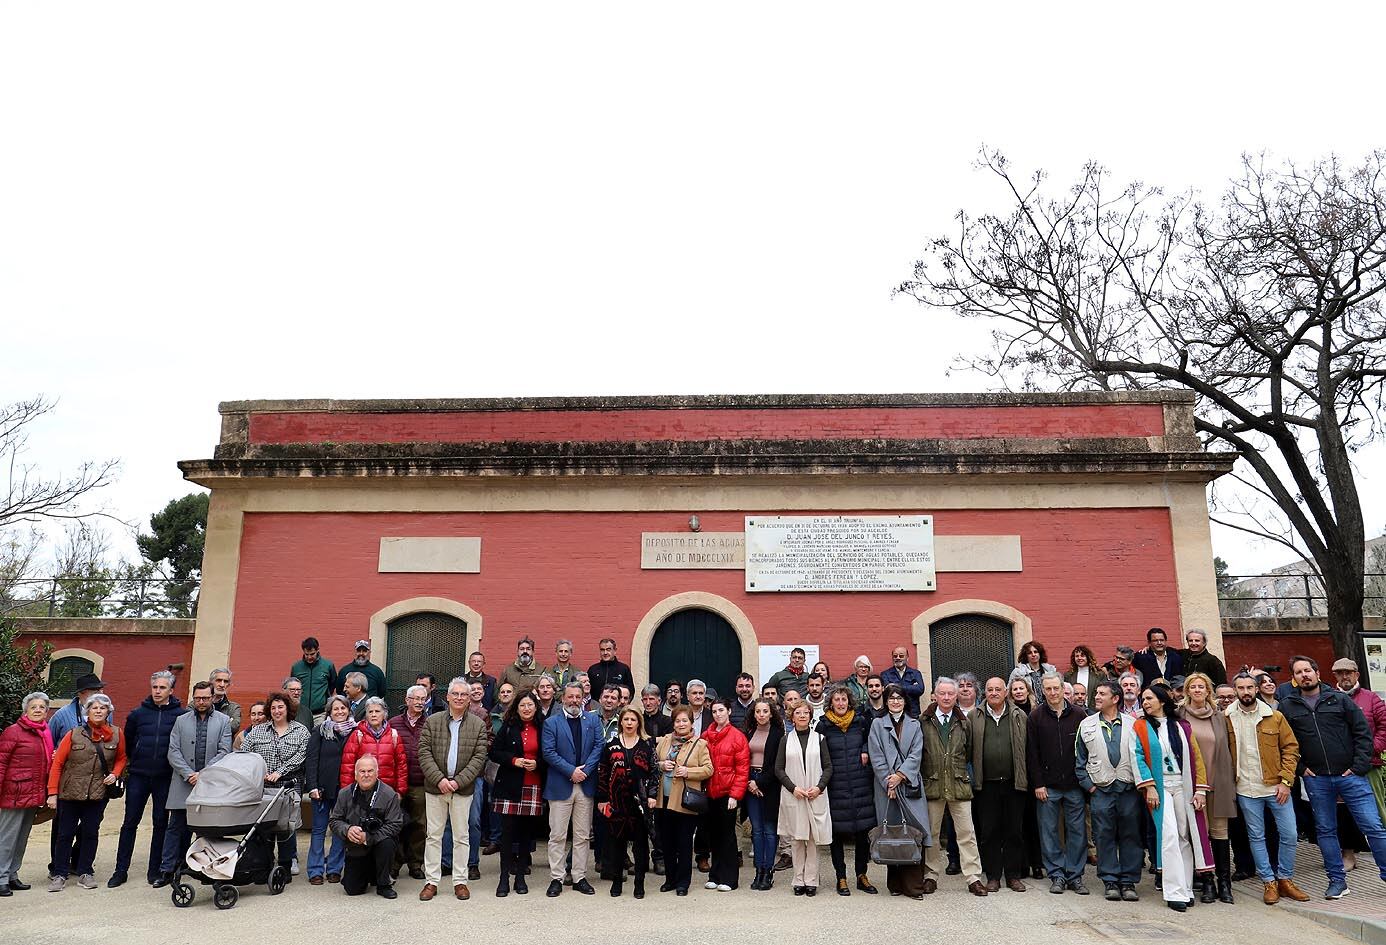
x,y
278,879
225,897
183,895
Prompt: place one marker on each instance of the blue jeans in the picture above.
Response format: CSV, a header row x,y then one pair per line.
x,y
140,789
1356,792
1067,860
474,825
763,832
1116,833
1254,811
335,860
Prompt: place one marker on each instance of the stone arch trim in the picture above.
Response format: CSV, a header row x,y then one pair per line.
x,y
380,621
691,600
1022,630
98,665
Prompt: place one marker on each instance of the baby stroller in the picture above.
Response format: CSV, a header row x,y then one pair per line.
x,y
228,801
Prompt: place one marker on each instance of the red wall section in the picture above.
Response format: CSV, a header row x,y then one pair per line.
x,y
1115,420
1099,576
130,660
1259,650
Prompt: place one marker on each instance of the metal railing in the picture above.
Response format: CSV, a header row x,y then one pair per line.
x,y
114,596
1288,595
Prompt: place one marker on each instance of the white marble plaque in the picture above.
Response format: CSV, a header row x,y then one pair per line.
x,y
693,551
840,553
430,556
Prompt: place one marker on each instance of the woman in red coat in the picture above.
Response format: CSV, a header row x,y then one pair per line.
x,y
375,737
26,752
731,767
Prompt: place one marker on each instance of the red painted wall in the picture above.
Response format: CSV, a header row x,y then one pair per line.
x,y
130,660
1115,420
1259,650
1099,576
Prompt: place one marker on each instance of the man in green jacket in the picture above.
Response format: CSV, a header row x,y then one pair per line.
x,y
452,753
318,676
375,676
947,751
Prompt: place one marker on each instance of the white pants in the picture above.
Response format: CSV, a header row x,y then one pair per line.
x,y
1176,849
805,856
443,809
577,811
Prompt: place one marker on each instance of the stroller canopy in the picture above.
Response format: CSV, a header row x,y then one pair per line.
x,y
234,781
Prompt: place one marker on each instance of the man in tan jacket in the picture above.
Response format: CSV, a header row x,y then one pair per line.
x,y
452,752
1267,755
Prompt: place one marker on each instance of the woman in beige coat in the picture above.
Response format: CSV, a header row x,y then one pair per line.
x,y
680,760
804,768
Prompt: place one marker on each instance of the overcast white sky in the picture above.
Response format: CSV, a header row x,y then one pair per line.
x,y
209,202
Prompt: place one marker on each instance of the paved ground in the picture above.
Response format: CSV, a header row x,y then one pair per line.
x,y
136,913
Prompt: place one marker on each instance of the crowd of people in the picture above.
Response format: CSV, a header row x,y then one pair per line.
x,y
1153,761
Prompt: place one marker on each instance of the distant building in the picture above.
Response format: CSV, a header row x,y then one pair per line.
x,y
1294,590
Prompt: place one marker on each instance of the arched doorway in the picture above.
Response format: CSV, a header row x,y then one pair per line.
x,y
696,644
973,643
423,642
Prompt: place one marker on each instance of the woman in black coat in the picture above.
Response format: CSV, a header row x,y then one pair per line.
x,y
518,794
851,794
625,784
764,728
322,773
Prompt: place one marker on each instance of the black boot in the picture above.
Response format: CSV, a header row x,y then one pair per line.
x,y
1222,861
769,881
1205,887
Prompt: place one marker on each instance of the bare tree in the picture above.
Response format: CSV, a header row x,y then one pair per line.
x,y
1267,305
31,496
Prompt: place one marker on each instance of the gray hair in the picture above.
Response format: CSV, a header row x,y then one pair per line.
x,y
562,643
1201,633
652,690
945,680
580,677
545,677
863,659
460,681
967,677
356,679
36,695
572,684
376,701
288,679
1051,675
695,682
98,697
1125,652
367,757
1129,676
164,674
423,690
217,672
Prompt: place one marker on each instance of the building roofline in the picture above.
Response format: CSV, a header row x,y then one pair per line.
x,y
704,402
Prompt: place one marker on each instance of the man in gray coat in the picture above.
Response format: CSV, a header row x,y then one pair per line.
x,y
199,739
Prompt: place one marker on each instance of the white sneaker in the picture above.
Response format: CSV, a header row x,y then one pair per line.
x,y
86,881
57,883
723,887
293,868
709,885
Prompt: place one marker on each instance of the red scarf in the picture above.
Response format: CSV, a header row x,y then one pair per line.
x,y
45,734
100,733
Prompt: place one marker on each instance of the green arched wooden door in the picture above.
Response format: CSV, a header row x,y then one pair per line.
x,y
423,642
972,643
696,644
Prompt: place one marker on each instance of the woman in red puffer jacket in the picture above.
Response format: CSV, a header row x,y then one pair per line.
x,y
731,767
26,753
375,737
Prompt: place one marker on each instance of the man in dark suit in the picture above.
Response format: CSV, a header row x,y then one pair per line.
x,y
1157,660
572,746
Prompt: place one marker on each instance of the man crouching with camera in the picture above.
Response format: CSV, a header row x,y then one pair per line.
x,y
368,816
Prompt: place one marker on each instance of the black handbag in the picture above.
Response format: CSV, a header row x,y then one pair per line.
x,y
113,791
694,798
896,844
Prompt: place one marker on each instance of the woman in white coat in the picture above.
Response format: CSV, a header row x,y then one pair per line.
x,y
804,769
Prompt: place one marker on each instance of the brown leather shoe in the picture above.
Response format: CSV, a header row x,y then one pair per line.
x,y
1289,890
461,892
993,885
977,888
930,886
1272,895
334,877
1016,885
315,880
428,892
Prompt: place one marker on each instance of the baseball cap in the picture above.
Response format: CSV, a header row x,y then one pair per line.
x,y
363,644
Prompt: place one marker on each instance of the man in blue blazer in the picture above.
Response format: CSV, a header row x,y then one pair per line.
x,y
572,746
1158,660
